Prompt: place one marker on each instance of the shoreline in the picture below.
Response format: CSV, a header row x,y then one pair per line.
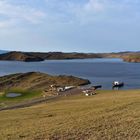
x,y
132,57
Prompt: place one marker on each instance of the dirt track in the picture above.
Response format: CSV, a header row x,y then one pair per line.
x,y
30,103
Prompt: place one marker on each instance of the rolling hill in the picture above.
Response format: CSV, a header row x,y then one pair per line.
x,y
38,81
38,56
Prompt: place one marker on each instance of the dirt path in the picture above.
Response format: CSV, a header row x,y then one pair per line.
x,y
29,103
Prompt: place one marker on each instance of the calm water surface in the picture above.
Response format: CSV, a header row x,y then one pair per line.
x,y
98,71
13,95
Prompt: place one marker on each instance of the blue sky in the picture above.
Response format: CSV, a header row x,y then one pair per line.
x,y
70,25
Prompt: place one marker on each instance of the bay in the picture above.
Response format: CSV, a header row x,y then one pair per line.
x,y
99,71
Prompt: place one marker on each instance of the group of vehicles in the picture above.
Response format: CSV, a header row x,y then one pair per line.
x,y
88,91
91,91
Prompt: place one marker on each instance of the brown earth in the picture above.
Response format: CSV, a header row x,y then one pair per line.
x,y
37,56
38,81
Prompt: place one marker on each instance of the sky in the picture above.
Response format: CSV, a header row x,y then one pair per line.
x,y
70,25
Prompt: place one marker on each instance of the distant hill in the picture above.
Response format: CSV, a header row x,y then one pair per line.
x,y
37,56
3,51
20,56
134,58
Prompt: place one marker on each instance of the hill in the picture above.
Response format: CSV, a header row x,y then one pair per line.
x,y
20,56
36,56
3,51
135,58
109,115
38,81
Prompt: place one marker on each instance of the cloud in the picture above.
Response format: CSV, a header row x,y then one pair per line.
x,y
12,14
6,24
89,11
94,5
66,11
69,24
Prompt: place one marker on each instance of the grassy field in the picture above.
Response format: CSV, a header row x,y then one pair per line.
x,y
26,95
109,115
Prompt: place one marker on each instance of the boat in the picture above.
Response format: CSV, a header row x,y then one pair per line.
x,y
97,87
117,84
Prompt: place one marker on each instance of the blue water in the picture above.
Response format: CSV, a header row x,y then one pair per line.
x,y
98,71
13,95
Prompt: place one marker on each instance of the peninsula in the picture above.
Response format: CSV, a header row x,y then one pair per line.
x,y
38,81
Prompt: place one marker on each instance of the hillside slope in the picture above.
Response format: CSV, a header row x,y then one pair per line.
x,y
109,115
37,56
20,56
134,58
34,56
38,81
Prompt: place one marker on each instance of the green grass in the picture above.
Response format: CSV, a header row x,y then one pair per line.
x,y
109,115
25,95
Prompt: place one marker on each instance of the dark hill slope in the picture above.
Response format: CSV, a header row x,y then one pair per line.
x,y
34,56
20,56
38,81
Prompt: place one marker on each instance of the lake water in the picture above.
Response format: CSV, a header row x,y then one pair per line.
x,y
98,71
13,95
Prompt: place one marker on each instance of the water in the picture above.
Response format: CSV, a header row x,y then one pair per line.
x,y
13,95
98,71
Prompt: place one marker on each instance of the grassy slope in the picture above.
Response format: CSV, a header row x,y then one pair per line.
x,y
110,115
132,58
26,96
38,81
